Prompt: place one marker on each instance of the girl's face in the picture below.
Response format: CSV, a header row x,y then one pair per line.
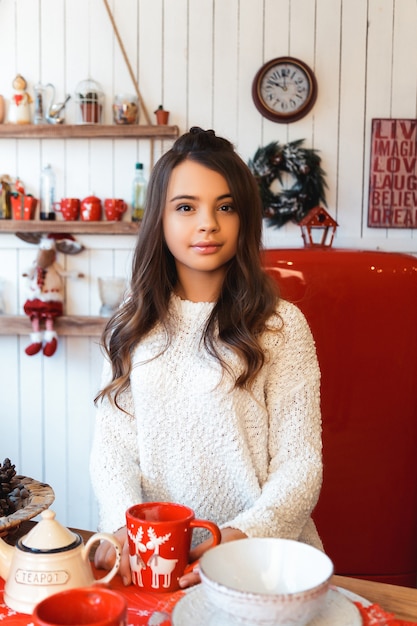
x,y
200,223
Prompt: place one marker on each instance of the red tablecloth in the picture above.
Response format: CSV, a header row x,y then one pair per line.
x,y
144,605
374,615
141,606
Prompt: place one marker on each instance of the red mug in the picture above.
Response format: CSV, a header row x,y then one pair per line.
x,y
159,536
69,207
90,606
114,209
91,209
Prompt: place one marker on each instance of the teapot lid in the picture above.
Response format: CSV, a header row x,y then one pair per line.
x,y
91,198
49,535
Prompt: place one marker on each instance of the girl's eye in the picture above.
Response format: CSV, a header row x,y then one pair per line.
x,y
185,208
226,208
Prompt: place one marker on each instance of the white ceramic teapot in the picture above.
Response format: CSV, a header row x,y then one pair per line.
x,y
50,558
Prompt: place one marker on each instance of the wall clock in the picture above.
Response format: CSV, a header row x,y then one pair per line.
x,y
284,90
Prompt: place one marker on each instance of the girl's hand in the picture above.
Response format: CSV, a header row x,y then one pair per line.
x,y
105,557
193,578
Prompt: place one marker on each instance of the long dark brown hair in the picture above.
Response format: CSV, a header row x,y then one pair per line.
x,y
248,295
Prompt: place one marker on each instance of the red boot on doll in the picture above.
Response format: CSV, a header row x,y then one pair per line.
x,y
51,342
36,344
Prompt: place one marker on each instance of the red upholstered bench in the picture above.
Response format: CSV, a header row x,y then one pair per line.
x,y
362,310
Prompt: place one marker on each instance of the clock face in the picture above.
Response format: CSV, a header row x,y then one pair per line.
x,y
284,89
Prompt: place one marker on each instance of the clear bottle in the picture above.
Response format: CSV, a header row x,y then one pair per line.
x,y
39,116
138,193
47,194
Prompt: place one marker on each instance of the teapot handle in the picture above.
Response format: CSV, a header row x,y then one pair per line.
x,y
117,547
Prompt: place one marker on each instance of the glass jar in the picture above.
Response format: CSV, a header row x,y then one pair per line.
x,y
89,99
112,290
125,109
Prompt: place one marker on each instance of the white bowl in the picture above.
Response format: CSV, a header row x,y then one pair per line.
x,y
267,580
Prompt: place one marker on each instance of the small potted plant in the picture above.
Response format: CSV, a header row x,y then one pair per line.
x,y
89,97
161,115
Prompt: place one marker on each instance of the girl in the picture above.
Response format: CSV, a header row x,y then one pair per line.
x,y
210,394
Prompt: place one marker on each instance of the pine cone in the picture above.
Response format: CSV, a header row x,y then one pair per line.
x,y
7,485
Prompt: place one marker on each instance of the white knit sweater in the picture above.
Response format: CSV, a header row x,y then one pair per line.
x,y
251,461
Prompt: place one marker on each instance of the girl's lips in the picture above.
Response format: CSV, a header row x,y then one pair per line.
x,y
206,247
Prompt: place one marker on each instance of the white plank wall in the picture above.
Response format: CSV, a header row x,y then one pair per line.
x,y
197,58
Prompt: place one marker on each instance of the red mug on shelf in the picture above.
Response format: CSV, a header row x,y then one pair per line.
x,y
159,536
114,209
69,207
91,209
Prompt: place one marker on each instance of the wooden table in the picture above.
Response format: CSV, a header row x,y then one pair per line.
x,y
401,601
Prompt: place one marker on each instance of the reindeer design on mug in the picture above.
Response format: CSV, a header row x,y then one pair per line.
x,y
158,564
137,564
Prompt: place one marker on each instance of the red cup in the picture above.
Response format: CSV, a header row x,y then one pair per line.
x,y
91,209
89,606
114,209
69,207
159,536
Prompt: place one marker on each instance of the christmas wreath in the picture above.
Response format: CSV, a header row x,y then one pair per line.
x,y
269,164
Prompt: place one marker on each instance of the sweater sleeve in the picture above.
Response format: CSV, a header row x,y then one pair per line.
x,y
114,454
292,392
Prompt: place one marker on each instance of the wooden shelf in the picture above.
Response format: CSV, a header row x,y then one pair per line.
x,y
80,131
77,325
87,131
74,228
66,325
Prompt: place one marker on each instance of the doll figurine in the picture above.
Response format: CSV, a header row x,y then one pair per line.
x,y
46,291
20,102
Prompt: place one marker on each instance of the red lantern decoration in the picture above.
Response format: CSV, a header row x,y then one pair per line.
x,y
316,226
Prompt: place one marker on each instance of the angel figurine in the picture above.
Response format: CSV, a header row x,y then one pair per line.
x,y
19,112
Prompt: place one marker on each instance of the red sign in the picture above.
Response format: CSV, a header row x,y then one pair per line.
x,y
393,174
